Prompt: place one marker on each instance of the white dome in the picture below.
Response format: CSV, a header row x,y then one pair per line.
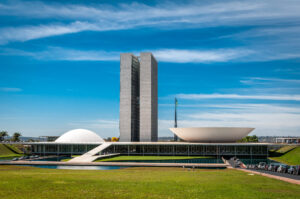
x,y
211,134
79,136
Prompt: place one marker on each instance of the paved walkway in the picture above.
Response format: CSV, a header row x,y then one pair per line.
x,y
91,156
290,180
287,175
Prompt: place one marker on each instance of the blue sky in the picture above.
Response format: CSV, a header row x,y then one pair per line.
x,y
233,63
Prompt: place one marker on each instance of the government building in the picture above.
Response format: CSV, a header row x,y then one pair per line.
x,y
138,126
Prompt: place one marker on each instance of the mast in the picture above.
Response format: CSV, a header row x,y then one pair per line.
x,y
175,119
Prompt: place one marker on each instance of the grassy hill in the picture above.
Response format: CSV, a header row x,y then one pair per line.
x,y
7,151
14,148
291,157
285,149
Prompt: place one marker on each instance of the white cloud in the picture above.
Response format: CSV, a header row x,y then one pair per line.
x,y
263,80
238,96
57,53
191,11
9,89
162,55
26,33
198,56
165,14
266,119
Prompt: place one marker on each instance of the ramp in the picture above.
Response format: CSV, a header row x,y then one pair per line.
x,y
90,156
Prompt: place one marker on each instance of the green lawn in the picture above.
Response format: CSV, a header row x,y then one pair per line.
x,y
13,148
124,158
8,152
292,157
5,150
285,149
9,156
135,183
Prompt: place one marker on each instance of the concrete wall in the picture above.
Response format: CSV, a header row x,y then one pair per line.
x,y
148,98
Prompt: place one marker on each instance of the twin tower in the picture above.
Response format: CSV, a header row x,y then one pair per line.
x,y
138,98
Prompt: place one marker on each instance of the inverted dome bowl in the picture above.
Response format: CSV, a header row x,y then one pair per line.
x,y
211,134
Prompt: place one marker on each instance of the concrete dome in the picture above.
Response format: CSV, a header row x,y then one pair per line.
x,y
211,134
79,136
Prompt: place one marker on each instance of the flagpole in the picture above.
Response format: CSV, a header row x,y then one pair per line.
x,y
175,124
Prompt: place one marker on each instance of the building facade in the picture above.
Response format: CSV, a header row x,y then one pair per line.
x,y
148,98
138,98
240,150
129,98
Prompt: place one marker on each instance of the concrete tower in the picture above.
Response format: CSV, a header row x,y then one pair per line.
x,y
148,98
129,98
138,98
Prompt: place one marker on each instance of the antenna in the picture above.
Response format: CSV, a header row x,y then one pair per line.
x,y
175,119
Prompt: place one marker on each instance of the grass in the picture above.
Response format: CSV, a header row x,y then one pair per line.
x,y
6,152
124,158
285,149
134,183
292,157
14,148
10,156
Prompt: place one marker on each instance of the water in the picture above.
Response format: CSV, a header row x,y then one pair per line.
x,y
196,160
7,159
55,159
77,167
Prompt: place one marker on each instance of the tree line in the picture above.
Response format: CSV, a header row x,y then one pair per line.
x,y
14,138
252,138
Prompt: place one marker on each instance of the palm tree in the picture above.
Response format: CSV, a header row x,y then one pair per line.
x,y
16,137
3,134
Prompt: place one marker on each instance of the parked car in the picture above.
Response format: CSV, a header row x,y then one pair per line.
x,y
250,166
21,158
282,168
295,170
15,159
291,169
261,165
273,167
266,167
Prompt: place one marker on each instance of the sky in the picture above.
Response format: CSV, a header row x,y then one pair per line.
x,y
229,63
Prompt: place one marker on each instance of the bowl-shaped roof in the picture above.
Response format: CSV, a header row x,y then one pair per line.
x,y
211,134
79,136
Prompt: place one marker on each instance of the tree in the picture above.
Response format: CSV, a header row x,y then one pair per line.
x,y
114,139
16,137
253,138
3,134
